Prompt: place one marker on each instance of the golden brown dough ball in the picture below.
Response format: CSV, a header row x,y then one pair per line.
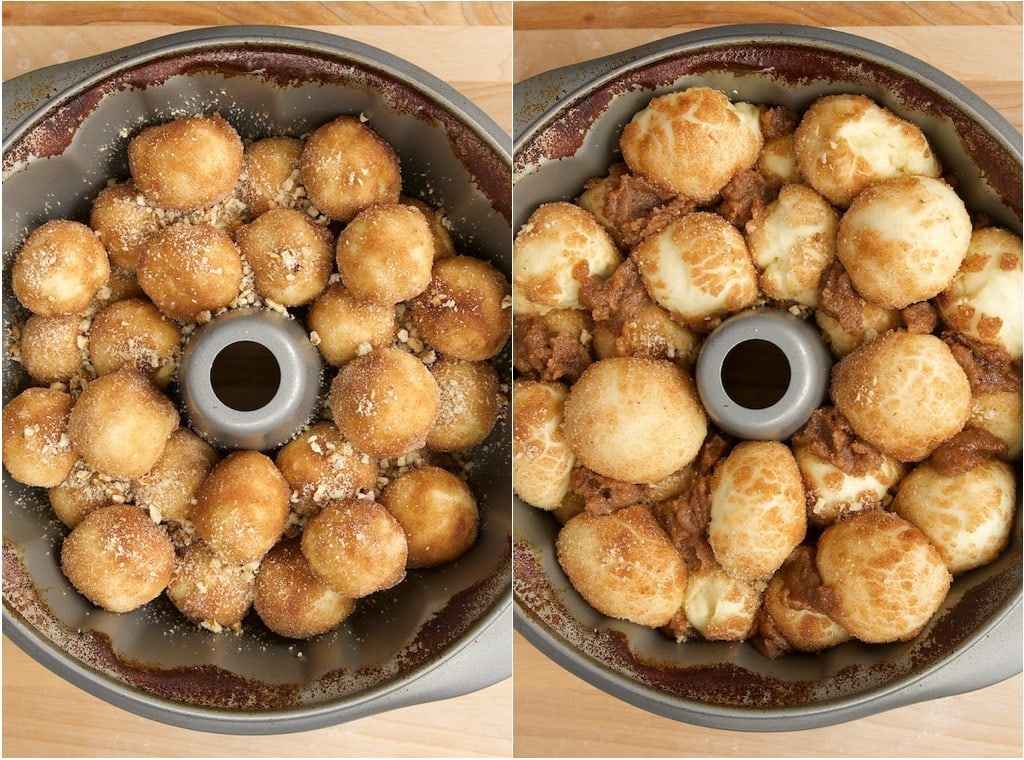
x,y
968,515
888,577
1000,413
356,547
385,253
874,320
624,565
187,269
242,506
347,326
121,423
123,220
347,167
37,450
653,334
133,333
50,349
903,393
385,402
270,174
469,401
464,311
984,300
291,255
321,466
634,419
189,163
698,268
805,628
169,489
777,162
59,269
122,284
542,460
758,515
444,246
692,142
832,493
902,240
83,491
291,601
437,511
118,558
719,606
209,591
844,143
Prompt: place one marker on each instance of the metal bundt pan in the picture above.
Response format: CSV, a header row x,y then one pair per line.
x,y
442,632
567,127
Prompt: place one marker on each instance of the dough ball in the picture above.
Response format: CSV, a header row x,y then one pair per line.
x,y
464,312
889,578
903,240
968,516
291,601
50,350
122,221
984,300
758,514
805,628
121,423
242,506
347,326
777,162
291,255
468,404
385,253
792,243
542,460
122,284
556,240
133,333
189,163
846,142
346,167
634,419
903,393
59,269
874,320
653,334
187,269
37,450
437,511
698,268
624,565
118,558
321,466
83,491
209,591
1000,413
595,195
270,174
692,142
385,402
170,488
356,547
444,246
719,606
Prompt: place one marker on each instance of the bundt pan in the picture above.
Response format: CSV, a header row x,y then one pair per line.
x,y
567,127
442,632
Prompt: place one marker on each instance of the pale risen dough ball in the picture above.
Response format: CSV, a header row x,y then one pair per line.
x,y
270,174
692,142
757,509
968,515
347,167
187,269
189,163
242,506
846,142
698,268
889,578
903,240
634,419
59,269
122,220
653,333
169,489
624,565
792,242
50,347
1000,413
469,401
777,161
437,511
804,628
903,393
720,606
37,450
984,300
832,493
874,320
121,423
291,255
291,601
542,460
555,242
118,558
356,547
385,402
133,333
346,326
210,591
385,253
